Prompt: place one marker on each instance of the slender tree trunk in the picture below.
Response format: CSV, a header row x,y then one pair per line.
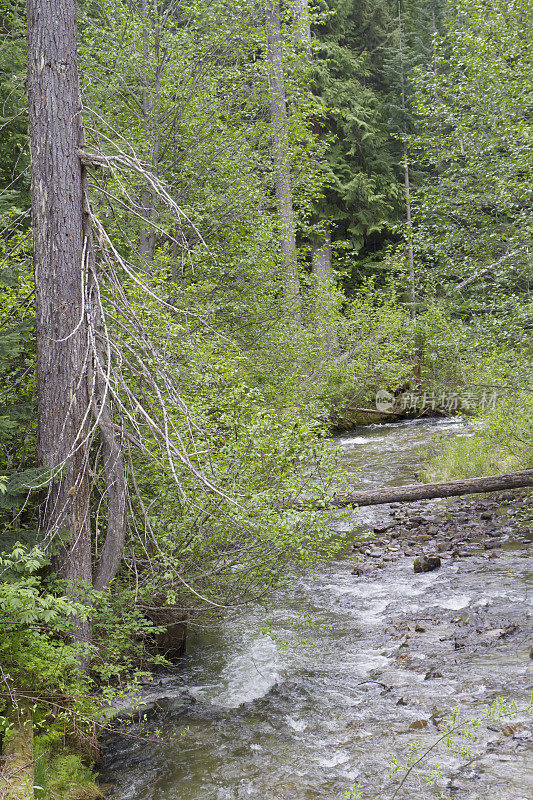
x,y
409,221
150,106
60,253
323,301
16,775
321,259
302,20
417,360
321,243
113,467
407,182
280,152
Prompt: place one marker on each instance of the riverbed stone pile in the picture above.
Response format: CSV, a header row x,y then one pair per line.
x,y
435,532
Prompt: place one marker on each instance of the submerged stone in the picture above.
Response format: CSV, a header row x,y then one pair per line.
x,y
418,724
426,563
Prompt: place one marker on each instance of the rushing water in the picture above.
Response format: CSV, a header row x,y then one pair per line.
x,y
306,721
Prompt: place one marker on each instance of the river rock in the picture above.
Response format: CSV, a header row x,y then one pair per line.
x,y
171,639
432,673
507,496
382,527
426,563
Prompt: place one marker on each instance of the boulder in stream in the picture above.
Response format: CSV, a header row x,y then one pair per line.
x,y
426,563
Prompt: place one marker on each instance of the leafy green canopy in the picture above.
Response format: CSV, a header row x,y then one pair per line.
x,y
475,210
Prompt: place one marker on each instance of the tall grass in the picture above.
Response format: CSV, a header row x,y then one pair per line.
x,y
502,443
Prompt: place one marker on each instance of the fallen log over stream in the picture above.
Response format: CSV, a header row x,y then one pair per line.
x,y
424,491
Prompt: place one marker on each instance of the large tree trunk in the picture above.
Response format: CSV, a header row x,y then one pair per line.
x,y
425,491
280,152
16,774
70,373
60,251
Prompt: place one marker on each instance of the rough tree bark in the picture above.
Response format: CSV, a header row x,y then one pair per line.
x,y
69,386
280,152
60,250
425,491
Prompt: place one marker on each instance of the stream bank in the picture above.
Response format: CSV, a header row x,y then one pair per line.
x,y
388,653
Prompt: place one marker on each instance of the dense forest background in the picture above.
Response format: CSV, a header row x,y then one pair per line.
x,y
283,209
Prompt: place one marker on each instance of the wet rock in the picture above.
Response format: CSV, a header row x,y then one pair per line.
x,y
382,527
426,563
171,640
513,730
143,712
432,673
507,631
507,496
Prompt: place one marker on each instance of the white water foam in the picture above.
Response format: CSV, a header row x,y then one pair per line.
x,y
250,674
